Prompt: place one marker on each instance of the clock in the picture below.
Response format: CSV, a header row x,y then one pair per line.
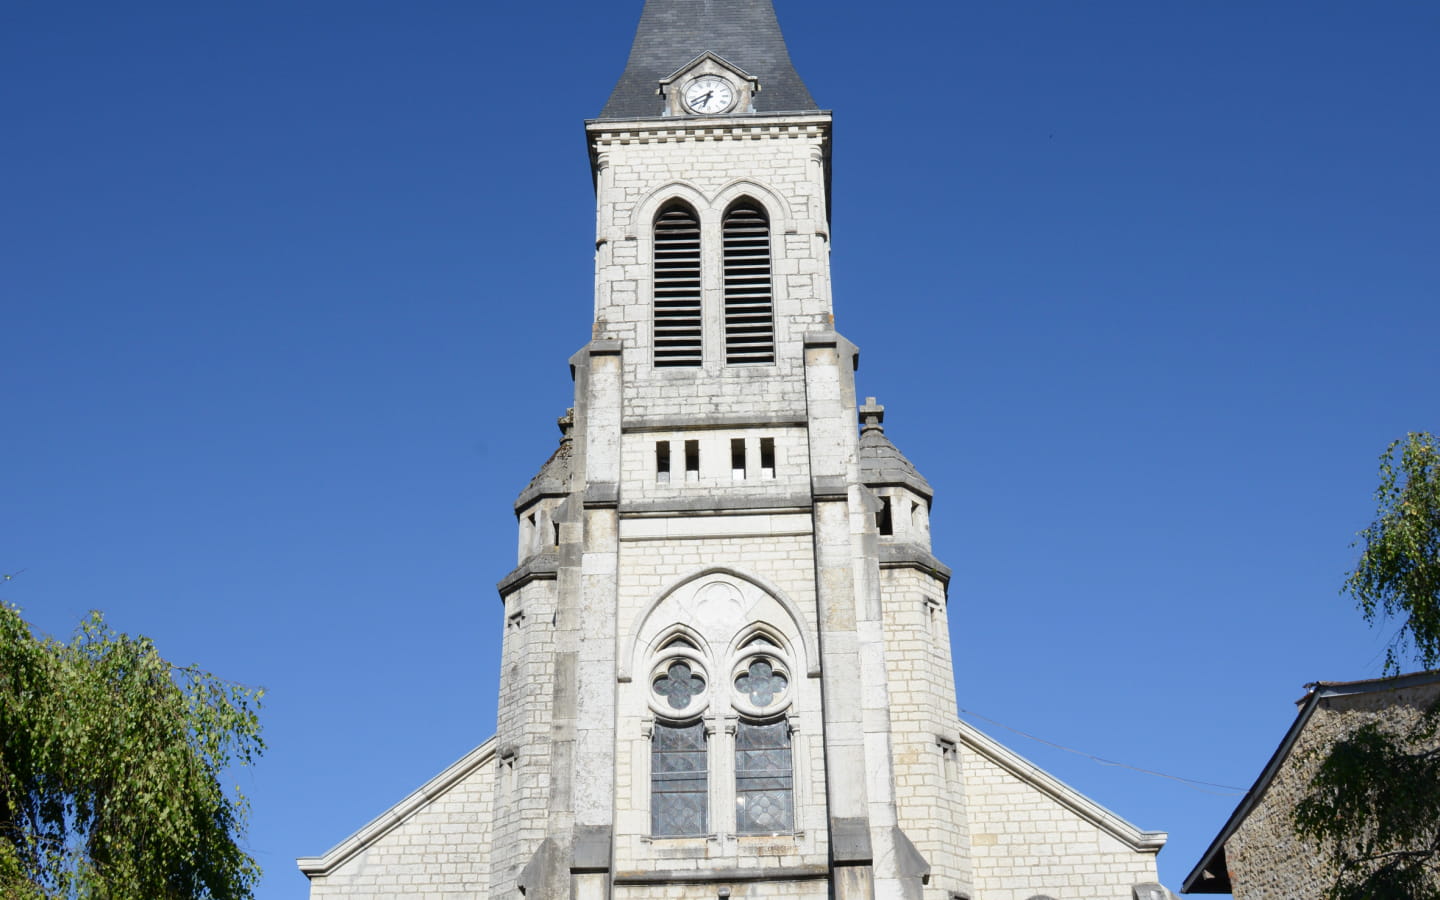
x,y
709,95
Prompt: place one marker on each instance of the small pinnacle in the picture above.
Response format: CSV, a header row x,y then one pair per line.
x,y
872,416
566,422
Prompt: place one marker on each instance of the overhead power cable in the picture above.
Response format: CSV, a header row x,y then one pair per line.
x,y
1225,790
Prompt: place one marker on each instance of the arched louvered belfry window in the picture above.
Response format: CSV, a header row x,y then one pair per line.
x,y
677,323
749,302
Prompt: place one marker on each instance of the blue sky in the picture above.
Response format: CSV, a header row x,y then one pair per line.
x,y
288,292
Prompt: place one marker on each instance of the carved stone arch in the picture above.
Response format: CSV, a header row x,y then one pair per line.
x,y
678,644
782,219
780,658
679,632
630,642
643,213
754,630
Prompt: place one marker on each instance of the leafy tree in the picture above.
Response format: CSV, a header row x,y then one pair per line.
x,y
1399,572
1374,802
110,768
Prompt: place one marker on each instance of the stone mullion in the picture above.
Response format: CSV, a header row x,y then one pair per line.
x,y
720,735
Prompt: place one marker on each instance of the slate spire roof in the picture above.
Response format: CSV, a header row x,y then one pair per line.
x,y
674,32
553,479
881,462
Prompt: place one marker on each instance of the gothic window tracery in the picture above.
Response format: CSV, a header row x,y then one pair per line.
x,y
739,729
679,685
761,683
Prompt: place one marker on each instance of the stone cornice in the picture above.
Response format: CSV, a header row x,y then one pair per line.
x,y
709,421
707,876
676,129
396,815
540,567
1132,837
912,556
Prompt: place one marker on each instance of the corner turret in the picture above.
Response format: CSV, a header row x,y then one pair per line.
x,y
535,508
903,493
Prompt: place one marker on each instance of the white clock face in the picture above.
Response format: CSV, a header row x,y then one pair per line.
x,y
709,95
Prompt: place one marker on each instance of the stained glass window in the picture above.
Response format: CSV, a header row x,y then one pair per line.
x,y
764,801
678,782
678,684
761,682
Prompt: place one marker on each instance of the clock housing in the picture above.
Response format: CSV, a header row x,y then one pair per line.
x,y
709,85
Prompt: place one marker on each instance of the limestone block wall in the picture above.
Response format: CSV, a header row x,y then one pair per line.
x,y
716,480
1266,860
639,168
434,845
930,789
1026,842
789,889
523,723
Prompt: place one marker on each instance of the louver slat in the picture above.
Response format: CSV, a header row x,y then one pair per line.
x,y
749,304
677,288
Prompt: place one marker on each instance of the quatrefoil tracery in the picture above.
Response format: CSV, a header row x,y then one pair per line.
x,y
761,683
678,685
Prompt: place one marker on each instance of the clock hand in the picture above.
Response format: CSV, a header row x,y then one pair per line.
x,y
702,101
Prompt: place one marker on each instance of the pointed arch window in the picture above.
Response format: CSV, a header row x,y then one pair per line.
x,y
722,713
749,300
679,758
764,770
677,321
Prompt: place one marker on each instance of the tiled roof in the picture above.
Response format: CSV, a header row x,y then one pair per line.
x,y
674,32
881,462
552,480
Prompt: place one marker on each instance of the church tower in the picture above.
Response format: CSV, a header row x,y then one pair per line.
x,y
726,664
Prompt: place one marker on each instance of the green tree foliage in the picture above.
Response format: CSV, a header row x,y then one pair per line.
x,y
1373,805
1399,573
110,770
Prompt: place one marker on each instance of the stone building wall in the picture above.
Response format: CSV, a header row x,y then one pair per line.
x,y
929,788
800,888
641,169
1027,842
1266,860
435,844
646,485
709,579
523,724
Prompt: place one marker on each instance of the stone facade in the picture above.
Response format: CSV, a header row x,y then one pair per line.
x,y
726,667
1257,856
